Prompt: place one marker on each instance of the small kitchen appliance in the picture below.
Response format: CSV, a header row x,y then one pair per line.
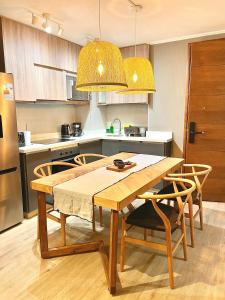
x,y
76,128
65,131
21,139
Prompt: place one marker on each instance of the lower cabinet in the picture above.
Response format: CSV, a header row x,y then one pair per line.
x,y
110,147
27,164
92,147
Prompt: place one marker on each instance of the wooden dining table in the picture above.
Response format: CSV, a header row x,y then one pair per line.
x,y
115,197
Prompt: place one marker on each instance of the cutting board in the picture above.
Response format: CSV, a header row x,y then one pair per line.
x,y
116,169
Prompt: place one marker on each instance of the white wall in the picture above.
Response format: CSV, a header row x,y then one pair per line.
x,y
133,114
166,110
92,116
44,118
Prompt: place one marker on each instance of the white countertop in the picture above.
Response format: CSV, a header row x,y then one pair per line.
x,y
151,137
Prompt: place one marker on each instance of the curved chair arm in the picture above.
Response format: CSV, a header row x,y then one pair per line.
x,y
148,196
186,192
207,170
48,166
80,159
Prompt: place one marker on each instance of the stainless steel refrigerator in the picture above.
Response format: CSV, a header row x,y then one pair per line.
x,y
11,210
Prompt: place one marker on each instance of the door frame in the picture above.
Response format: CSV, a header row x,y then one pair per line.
x,y
187,103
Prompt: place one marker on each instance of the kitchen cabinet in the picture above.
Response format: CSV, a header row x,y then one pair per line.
x,y
110,147
116,98
50,84
27,165
23,48
91,147
18,46
55,52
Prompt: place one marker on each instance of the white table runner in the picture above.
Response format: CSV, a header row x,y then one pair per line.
x,y
75,197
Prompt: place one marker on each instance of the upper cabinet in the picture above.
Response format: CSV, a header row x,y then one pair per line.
x,y
18,46
37,61
55,52
115,97
51,84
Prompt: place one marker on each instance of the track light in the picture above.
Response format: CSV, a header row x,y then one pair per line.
x,y
35,19
46,21
60,30
45,24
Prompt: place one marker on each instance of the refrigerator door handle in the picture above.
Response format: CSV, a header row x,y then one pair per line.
x,y
6,171
1,128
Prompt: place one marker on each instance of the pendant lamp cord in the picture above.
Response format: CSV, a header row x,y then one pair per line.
x,y
99,19
135,31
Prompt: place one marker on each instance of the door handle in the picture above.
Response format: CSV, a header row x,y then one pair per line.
x,y
193,132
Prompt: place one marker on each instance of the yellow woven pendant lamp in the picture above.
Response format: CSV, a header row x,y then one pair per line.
x,y
100,66
138,70
139,76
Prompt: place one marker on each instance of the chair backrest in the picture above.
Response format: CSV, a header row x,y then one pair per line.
x,y
46,168
81,159
198,172
189,187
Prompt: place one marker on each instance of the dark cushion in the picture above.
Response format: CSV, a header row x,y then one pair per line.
x,y
169,190
145,216
49,199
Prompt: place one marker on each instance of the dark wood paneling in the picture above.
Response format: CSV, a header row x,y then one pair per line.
x,y
207,80
2,58
208,53
206,107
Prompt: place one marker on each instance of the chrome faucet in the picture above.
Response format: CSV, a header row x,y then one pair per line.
x,y
120,126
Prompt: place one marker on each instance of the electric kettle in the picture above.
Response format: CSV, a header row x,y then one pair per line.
x,y
65,131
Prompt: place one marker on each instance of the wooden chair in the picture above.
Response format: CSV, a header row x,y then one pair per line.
x,y
158,216
199,174
82,159
46,170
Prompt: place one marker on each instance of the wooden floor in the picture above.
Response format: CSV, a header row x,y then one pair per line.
x,y
23,275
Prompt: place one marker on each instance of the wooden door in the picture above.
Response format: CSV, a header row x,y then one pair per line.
x,y
206,109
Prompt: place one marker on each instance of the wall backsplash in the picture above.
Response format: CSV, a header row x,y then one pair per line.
x,y
134,114
44,118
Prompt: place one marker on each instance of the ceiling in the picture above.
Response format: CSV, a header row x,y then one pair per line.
x,y
159,20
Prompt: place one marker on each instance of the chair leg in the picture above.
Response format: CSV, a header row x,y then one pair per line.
x,y
122,245
145,234
100,216
184,240
170,258
201,213
93,220
63,228
192,222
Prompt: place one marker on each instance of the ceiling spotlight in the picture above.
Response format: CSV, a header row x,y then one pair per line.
x,y
60,30
45,24
35,19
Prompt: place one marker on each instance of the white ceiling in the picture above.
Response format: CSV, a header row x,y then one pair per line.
x,y
158,21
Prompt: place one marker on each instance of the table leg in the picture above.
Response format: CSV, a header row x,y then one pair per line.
x,y
42,225
113,251
59,251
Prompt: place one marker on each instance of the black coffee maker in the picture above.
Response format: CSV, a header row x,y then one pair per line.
x,y
76,128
